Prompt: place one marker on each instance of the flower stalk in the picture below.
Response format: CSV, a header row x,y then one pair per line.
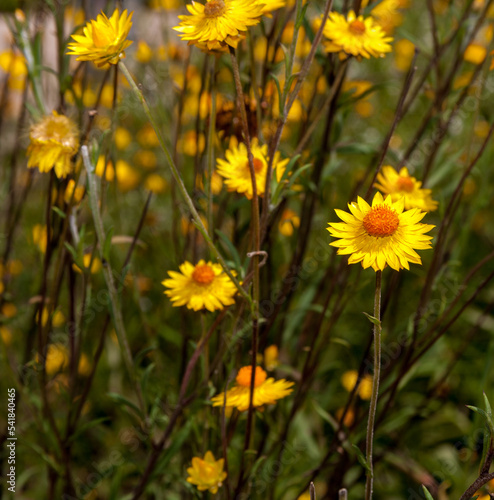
x,y
375,387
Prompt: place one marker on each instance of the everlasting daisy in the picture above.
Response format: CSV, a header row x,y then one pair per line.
x,y
104,40
355,36
219,23
266,391
206,473
235,167
381,234
203,286
54,141
401,184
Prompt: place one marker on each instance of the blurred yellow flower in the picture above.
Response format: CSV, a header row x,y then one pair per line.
x,y
127,177
145,158
144,52
54,141
266,391
123,138
355,36
86,260
6,335
288,222
84,367
104,40
475,53
219,23
402,185
381,234
404,52
14,64
271,360
271,5
73,192
100,169
206,473
235,168
40,236
155,183
165,4
203,286
387,14
190,143
147,137
8,310
349,379
57,359
57,318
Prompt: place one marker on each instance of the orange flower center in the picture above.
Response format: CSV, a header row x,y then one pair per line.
x,y
405,184
381,221
357,27
258,165
203,274
214,8
245,374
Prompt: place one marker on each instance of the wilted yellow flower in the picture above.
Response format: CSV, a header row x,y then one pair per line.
x,y
402,185
219,23
104,40
54,141
381,234
266,391
203,286
206,473
235,168
349,379
288,222
271,360
73,192
40,236
355,36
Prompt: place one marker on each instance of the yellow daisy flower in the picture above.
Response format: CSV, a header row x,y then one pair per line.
x,y
203,286
235,167
207,473
381,234
104,40
266,391
218,23
355,36
54,141
401,184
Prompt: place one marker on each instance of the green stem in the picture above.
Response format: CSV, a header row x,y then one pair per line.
x,y
181,186
210,152
115,306
375,387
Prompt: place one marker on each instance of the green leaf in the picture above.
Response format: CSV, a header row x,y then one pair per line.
x,y
300,18
372,319
59,212
280,100
120,400
88,425
428,496
361,458
297,174
47,458
73,252
231,249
